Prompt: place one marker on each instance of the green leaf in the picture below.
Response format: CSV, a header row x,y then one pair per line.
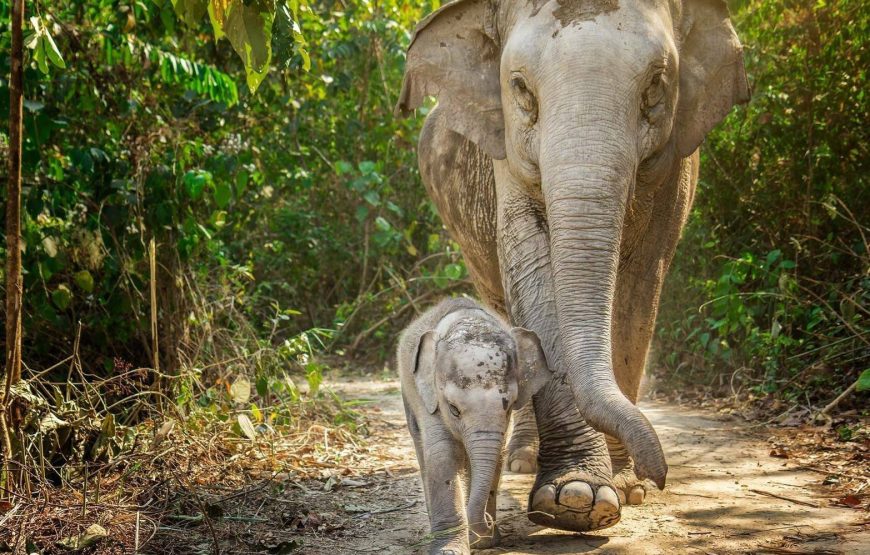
x,y
248,27
372,197
382,224
864,381
362,212
52,51
241,182
453,271
263,387
367,167
195,182
223,193
190,11
62,296
84,280
39,55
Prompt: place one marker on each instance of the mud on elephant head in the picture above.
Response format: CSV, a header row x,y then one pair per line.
x,y
583,103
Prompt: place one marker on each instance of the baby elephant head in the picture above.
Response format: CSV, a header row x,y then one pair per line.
x,y
478,374
475,372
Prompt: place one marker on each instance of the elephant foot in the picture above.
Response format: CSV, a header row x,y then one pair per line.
x,y
577,501
449,541
631,490
484,540
523,460
450,547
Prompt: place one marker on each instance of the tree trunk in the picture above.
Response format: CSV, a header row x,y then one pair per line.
x,y
13,228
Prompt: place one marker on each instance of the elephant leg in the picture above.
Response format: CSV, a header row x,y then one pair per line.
x,y
523,446
573,488
440,460
630,489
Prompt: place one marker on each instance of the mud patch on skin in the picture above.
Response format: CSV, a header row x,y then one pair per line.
x,y
570,12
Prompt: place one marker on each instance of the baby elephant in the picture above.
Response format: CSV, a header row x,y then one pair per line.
x,y
463,371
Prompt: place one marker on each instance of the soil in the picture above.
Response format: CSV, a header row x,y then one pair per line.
x,y
727,493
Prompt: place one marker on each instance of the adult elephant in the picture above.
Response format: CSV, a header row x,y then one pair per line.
x,y
562,157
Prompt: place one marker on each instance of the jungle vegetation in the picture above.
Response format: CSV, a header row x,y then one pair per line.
x,y
196,222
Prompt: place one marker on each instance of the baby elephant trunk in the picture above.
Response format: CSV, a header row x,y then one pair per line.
x,y
484,450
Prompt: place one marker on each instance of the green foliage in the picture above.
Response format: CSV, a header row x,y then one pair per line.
x,y
770,286
295,210
43,46
247,25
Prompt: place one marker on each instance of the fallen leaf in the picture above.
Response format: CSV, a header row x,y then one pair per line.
x,y
246,426
779,452
240,391
89,537
849,501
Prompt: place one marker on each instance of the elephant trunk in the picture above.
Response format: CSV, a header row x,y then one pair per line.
x,y
484,450
588,159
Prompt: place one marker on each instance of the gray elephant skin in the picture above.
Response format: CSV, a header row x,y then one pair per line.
x,y
463,370
562,157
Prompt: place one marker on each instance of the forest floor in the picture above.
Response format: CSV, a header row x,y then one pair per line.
x,y
343,479
728,492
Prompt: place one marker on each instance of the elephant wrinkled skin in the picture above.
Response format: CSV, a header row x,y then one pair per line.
x,y
562,157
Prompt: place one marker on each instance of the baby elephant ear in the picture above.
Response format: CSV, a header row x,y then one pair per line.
x,y
454,56
424,370
532,367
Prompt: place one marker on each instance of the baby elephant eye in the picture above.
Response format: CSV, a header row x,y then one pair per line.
x,y
453,410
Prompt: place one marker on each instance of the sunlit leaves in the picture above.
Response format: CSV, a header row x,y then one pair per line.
x,y
44,49
247,24
200,78
248,27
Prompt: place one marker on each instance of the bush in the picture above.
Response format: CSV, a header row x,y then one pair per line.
x,y
771,279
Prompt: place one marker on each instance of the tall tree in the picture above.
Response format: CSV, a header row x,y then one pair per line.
x,y
13,225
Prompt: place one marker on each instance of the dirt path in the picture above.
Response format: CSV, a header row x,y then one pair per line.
x,y
708,506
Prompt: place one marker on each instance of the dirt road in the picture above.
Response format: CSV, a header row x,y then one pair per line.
x,y
712,503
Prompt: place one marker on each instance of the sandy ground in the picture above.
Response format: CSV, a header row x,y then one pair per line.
x,y
708,507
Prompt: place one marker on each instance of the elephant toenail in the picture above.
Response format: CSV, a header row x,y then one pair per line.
x,y
544,496
606,496
577,495
635,497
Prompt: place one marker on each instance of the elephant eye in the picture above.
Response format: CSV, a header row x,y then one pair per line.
x,y
453,410
524,97
655,92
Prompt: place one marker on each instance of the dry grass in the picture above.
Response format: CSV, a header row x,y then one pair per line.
x,y
191,485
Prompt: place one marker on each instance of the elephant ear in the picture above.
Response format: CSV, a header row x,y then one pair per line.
x,y
424,370
712,76
532,368
454,56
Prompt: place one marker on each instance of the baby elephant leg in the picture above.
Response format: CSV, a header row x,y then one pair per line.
x,y
440,459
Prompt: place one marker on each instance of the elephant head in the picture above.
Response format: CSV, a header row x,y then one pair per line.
x,y
475,372
583,103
